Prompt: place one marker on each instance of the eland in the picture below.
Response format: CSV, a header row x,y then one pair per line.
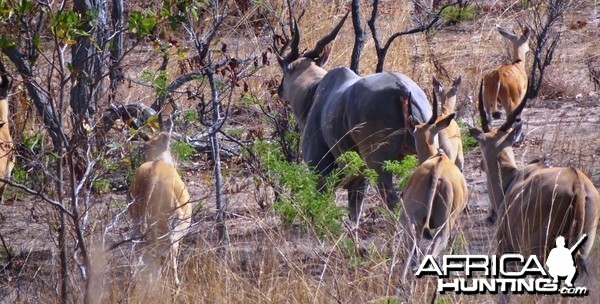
x,y
507,84
160,204
436,193
450,138
6,144
534,204
339,111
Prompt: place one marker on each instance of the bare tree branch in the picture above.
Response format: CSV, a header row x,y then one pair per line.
x,y
382,51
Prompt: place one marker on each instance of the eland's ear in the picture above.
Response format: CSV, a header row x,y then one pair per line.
x,y
324,56
457,82
477,134
437,86
164,138
445,122
514,135
411,124
510,35
526,33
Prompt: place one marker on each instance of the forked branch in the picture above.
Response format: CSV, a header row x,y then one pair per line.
x,y
382,50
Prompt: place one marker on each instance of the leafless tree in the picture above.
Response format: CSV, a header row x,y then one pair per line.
x,y
547,16
432,20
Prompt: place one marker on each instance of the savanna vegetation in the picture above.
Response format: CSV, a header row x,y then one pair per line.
x,y
91,80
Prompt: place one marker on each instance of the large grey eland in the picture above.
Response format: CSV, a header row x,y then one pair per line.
x,y
339,111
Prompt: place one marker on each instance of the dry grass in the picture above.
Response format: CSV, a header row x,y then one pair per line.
x,y
265,263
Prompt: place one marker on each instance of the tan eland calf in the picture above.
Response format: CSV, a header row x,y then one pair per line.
x,y
435,194
6,145
160,206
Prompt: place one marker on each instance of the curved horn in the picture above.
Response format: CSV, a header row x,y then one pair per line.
x,y
485,123
434,114
316,52
514,116
295,50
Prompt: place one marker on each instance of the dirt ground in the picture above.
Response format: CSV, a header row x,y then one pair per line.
x,y
563,129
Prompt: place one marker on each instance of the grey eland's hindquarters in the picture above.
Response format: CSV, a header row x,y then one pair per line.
x,y
160,205
339,111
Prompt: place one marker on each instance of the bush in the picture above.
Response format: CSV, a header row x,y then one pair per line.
x,y
453,14
468,142
182,150
402,169
298,197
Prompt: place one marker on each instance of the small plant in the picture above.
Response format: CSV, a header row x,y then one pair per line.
x,y
454,15
19,174
248,100
101,185
182,150
389,301
468,142
34,142
298,196
190,116
445,299
350,251
401,169
353,165
236,133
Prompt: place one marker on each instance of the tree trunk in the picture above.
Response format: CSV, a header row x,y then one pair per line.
x,y
221,228
88,63
40,99
116,48
359,37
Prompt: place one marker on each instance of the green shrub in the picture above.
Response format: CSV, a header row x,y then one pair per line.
x,y
182,150
298,197
34,142
353,165
401,169
101,185
468,142
190,116
248,100
454,14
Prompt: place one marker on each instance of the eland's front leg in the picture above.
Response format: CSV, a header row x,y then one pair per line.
x,y
356,193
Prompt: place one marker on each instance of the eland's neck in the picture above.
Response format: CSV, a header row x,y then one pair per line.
x,y
166,157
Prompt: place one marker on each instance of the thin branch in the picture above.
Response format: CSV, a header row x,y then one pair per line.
x,y
38,194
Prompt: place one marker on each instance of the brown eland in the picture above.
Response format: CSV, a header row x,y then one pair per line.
x,y
436,193
534,204
507,84
339,111
450,138
160,204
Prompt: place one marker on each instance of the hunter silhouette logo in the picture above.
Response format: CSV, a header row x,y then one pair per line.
x,y
560,261
508,273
